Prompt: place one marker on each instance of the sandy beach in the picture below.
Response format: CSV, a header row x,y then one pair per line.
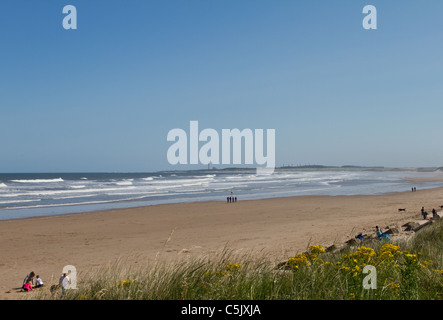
x,y
279,226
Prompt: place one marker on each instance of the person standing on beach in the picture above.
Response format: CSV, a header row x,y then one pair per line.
x,y
64,283
64,280
424,213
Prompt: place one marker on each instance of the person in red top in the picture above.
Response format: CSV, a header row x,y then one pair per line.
x,y
28,282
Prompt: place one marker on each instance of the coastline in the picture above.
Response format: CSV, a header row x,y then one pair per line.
x,y
39,195
277,226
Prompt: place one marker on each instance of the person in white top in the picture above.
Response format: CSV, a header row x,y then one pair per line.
x,y
64,282
39,282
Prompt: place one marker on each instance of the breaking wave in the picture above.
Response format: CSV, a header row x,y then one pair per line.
x,y
38,180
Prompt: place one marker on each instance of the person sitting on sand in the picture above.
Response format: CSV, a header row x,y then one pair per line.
x,y
39,282
360,236
377,231
28,281
380,234
27,286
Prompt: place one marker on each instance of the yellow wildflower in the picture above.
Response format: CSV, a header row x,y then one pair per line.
x,y
299,259
233,267
427,262
125,283
363,253
316,249
392,249
411,257
395,285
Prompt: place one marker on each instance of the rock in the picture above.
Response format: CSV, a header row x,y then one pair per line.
x,y
351,242
411,226
335,247
392,230
421,225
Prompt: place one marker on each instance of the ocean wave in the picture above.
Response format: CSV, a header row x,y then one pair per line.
x,y
72,204
184,181
38,180
2,185
74,196
126,182
18,201
77,187
49,193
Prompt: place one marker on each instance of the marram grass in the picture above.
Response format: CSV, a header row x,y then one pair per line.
x,y
405,271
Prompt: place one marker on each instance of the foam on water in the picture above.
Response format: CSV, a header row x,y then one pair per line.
x,y
38,180
28,195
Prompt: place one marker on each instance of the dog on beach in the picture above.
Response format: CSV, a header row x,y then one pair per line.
x,y
401,209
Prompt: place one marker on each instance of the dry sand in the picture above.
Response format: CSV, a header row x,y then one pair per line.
x,y
281,227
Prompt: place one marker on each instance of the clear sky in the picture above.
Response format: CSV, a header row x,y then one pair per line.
x,y
104,97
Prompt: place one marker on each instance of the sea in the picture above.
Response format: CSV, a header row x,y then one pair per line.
x,y
25,195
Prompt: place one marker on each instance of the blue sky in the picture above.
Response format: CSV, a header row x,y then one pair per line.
x,y
103,97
